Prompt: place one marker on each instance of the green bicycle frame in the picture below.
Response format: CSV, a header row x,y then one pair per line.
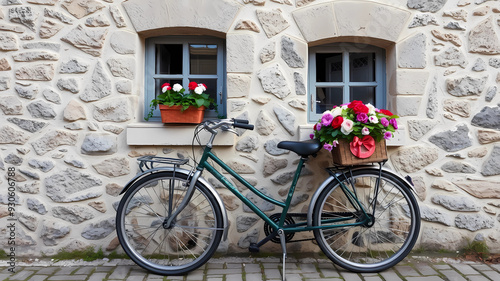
x,y
298,227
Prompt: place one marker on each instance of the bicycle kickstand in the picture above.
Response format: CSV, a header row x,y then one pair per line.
x,y
281,233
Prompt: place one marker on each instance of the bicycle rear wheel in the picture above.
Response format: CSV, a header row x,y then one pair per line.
x,y
372,247
191,240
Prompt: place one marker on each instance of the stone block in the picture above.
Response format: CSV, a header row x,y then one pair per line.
x,y
411,52
272,21
411,82
240,52
370,19
407,106
238,85
316,22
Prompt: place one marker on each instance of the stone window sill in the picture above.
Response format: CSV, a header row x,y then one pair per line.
x,y
399,138
153,133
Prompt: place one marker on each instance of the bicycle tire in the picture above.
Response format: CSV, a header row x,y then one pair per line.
x,y
193,237
367,248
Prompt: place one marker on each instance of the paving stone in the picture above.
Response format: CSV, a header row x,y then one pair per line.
x,y
427,278
84,270
47,270
22,275
66,271
441,266
97,276
481,267
68,277
390,275
350,276
252,268
493,275
233,265
120,272
254,277
425,269
476,278
234,277
136,277
406,270
373,278
272,273
465,269
453,275
38,277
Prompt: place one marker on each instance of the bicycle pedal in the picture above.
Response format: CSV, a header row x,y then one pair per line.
x,y
253,248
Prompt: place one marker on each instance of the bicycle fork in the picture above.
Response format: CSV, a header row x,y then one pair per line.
x,y
185,201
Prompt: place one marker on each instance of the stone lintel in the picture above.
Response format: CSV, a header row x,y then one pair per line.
x,y
149,15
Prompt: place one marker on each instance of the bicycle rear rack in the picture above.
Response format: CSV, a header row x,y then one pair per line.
x,y
150,162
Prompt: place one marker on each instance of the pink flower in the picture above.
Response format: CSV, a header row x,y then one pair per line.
x,y
394,123
365,131
326,119
362,117
384,121
328,146
387,135
373,119
335,143
347,126
318,127
311,136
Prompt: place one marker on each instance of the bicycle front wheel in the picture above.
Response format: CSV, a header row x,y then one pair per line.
x,y
188,243
384,239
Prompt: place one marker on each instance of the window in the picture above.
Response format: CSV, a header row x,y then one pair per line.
x,y
182,59
342,72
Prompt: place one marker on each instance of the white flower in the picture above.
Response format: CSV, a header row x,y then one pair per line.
x,y
365,131
347,126
336,111
371,109
164,89
203,87
344,107
198,90
373,119
177,87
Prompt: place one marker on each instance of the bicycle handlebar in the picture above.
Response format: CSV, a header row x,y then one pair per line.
x,y
243,125
212,125
241,121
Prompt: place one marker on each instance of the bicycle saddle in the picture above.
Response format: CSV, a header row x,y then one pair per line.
x,y
302,148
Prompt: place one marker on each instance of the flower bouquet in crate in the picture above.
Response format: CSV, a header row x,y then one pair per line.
x,y
355,133
178,106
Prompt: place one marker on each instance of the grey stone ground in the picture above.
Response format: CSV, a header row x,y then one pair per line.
x,y
416,268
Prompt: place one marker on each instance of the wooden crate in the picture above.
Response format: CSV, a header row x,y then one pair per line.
x,y
342,154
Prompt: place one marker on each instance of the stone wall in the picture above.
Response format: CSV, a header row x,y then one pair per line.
x,y
71,80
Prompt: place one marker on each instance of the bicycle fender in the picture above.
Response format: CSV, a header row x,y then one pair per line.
x,y
201,180
315,197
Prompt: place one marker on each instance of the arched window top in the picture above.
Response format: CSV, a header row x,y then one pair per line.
x,y
328,20
151,16
343,72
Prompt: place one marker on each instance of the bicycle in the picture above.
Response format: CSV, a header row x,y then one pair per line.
x,y
171,220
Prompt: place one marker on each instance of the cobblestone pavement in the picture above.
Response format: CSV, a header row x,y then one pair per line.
x,y
256,269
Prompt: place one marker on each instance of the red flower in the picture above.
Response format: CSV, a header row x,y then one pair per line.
x,y
337,122
386,112
358,107
314,127
192,85
166,85
354,103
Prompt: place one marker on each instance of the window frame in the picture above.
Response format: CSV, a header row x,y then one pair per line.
x,y
185,41
345,49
